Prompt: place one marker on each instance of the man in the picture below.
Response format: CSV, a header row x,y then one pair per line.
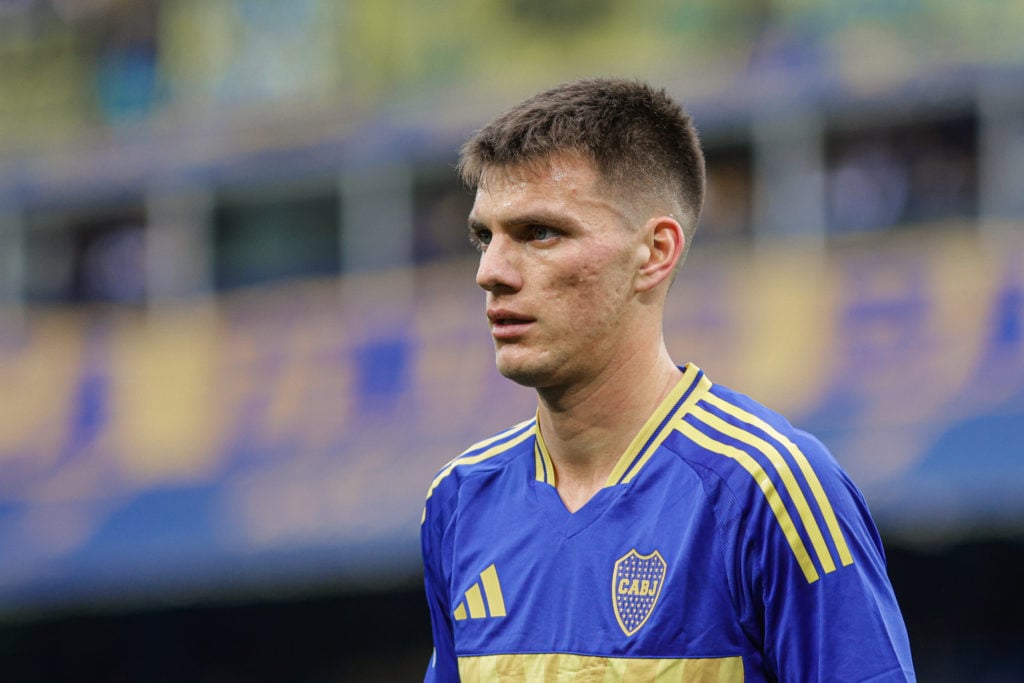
x,y
647,524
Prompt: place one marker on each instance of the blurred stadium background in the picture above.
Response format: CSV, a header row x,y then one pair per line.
x,y
239,331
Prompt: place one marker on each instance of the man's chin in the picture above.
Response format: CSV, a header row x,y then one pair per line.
x,y
522,377
531,375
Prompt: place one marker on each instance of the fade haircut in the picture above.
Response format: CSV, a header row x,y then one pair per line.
x,y
641,141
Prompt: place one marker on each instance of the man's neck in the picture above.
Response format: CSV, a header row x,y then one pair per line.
x,y
588,427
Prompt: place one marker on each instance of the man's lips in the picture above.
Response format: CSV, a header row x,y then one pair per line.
x,y
507,324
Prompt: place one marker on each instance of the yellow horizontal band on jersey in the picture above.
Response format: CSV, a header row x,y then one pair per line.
x,y
554,668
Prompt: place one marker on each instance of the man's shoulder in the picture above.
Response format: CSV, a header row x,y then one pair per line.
x,y
734,441
725,422
761,467
484,457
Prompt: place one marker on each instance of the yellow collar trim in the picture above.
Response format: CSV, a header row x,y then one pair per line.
x,y
690,388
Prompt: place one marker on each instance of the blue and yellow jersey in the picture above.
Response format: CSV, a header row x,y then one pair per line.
x,y
725,546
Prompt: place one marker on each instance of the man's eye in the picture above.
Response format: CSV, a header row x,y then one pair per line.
x,y
480,238
541,232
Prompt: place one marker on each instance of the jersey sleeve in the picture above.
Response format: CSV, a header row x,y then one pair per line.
x,y
819,579
443,665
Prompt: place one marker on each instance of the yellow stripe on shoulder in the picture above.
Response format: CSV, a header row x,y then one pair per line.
x,y
789,482
486,454
820,497
764,482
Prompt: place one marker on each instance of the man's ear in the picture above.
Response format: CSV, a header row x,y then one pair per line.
x,y
663,246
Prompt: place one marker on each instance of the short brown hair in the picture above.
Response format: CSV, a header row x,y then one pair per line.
x,y
641,141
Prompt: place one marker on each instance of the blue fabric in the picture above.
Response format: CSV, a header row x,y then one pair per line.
x,y
689,558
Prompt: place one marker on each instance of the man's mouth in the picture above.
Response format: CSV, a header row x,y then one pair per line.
x,y
507,324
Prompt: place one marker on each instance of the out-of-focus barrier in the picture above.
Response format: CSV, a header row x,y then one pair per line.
x,y
288,433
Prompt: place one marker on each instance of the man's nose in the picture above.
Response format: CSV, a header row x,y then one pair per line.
x,y
497,267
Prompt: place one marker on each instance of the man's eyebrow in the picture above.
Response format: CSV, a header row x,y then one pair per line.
x,y
555,220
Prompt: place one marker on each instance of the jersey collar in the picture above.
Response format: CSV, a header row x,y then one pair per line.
x,y
690,388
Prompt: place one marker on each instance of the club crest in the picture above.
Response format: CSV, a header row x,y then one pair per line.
x,y
636,585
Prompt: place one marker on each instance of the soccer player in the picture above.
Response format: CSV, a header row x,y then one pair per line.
x,y
646,524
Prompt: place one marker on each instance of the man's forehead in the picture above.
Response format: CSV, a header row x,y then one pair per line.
x,y
559,191
557,167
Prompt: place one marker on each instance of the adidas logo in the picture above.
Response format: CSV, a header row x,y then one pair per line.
x,y
475,598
